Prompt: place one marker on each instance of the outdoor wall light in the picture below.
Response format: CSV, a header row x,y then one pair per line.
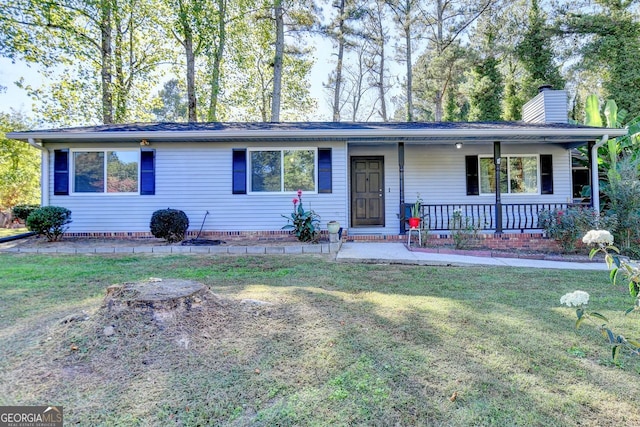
x,y
458,145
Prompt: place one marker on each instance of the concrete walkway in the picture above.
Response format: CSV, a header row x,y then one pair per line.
x,y
398,253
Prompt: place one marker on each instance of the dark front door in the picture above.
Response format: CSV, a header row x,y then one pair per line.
x,y
367,191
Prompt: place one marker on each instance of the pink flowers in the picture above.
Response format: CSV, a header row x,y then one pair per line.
x,y
298,199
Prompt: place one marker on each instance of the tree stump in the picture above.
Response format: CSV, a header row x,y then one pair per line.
x,y
162,297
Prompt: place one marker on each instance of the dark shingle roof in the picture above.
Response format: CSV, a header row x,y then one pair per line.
x,y
309,126
353,132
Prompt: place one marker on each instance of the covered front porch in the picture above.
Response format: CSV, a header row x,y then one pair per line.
x,y
454,174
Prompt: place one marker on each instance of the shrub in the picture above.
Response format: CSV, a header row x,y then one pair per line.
x,y
463,229
169,224
22,212
567,225
622,191
49,221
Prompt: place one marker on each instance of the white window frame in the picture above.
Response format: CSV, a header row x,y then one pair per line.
x,y
506,158
72,174
282,150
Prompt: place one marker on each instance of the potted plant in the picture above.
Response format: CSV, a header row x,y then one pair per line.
x,y
414,219
333,227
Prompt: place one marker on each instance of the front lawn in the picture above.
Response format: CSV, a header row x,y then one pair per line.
x,y
338,344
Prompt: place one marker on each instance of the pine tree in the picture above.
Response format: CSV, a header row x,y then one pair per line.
x,y
485,97
536,54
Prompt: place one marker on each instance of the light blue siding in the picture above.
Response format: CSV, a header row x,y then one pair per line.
x,y
438,173
197,178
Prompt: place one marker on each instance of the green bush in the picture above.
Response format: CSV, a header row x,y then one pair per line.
x,y
22,212
566,226
622,191
49,221
169,224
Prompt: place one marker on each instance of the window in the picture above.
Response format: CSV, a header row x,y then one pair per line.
x,y
114,172
273,171
518,175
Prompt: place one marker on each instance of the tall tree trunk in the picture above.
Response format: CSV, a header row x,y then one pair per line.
x,y
191,71
404,18
217,61
381,91
119,108
277,62
107,89
407,35
440,48
381,80
358,83
186,40
338,86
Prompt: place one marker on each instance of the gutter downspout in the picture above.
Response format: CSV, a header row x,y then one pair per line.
x,y
497,161
403,229
44,172
595,183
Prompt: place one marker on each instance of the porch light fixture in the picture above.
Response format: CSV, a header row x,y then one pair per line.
x,y
144,143
458,145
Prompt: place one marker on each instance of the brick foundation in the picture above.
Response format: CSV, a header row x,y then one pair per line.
x,y
257,236
534,242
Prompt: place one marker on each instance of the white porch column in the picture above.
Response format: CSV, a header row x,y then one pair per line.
x,y
44,172
496,162
595,180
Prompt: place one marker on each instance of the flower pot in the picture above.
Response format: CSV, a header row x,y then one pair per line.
x,y
333,227
414,222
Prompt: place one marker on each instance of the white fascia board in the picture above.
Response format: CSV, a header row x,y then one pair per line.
x,y
323,133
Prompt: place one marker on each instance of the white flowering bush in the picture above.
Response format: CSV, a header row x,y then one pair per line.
x,y
575,299
619,268
598,237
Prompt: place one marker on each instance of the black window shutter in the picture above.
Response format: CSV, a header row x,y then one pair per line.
x,y
239,171
324,170
546,173
61,172
471,166
147,172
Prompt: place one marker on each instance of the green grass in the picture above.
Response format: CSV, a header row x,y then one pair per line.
x,y
8,232
340,344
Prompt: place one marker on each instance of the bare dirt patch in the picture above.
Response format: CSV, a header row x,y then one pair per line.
x,y
140,332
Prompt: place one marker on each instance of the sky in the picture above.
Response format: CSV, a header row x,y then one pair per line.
x,y
17,99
